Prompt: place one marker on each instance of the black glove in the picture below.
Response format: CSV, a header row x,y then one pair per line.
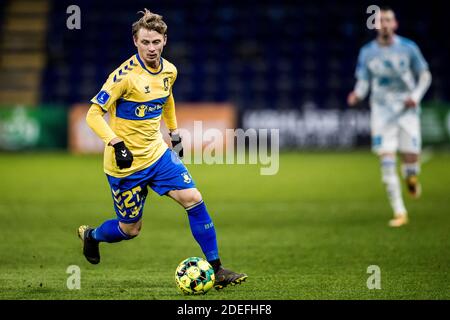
x,y
124,157
177,146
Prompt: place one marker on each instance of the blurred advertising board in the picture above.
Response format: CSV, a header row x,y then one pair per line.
x,y
81,138
194,119
23,128
313,128
435,122
340,129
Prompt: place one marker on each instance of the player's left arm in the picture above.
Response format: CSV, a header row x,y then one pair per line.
x,y
169,115
420,67
170,119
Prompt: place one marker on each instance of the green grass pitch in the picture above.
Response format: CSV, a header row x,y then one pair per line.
x,y
309,232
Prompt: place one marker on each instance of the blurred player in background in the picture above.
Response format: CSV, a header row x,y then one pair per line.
x,y
137,95
389,65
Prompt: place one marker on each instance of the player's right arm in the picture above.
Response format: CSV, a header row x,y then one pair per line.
x,y
97,123
362,80
113,89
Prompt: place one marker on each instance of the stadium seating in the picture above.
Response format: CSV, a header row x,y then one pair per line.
x,y
255,54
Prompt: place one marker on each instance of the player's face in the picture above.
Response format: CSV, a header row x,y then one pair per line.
x,y
150,44
388,24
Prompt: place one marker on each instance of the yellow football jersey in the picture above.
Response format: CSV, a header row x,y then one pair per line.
x,y
136,97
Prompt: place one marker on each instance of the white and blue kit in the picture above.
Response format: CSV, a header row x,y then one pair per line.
x,y
392,72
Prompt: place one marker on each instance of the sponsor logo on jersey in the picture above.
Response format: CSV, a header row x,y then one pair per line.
x,y
142,110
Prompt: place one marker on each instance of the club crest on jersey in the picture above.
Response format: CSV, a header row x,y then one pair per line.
x,y
102,97
147,89
186,177
166,84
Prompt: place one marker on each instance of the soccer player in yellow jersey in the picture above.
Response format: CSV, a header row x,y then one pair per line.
x,y
137,95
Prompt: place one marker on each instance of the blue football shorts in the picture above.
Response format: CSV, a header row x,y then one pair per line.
x,y
129,193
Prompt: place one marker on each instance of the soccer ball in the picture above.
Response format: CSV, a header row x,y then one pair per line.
x,y
194,276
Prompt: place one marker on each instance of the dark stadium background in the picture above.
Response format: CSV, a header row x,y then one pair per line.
x,y
278,56
257,54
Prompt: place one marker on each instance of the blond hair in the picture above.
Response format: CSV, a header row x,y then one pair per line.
x,y
149,21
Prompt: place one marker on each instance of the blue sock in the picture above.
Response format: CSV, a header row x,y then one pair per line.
x,y
203,230
109,231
